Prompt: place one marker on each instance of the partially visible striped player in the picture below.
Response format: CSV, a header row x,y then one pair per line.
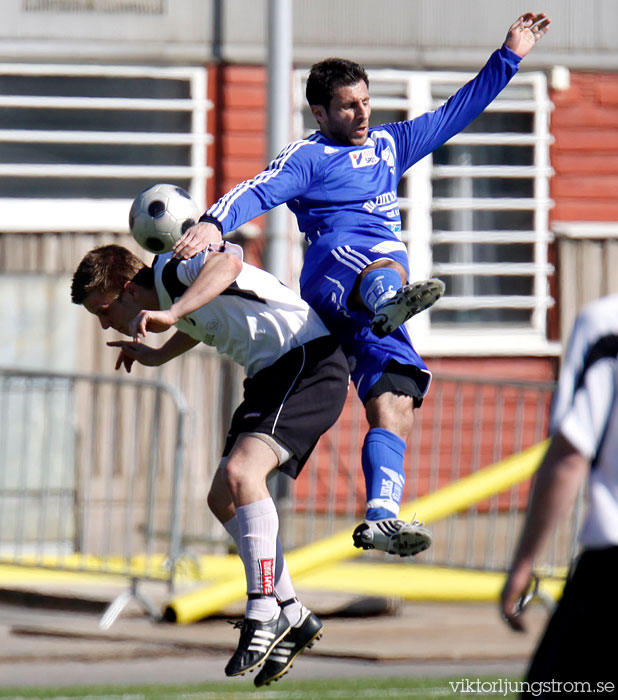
x,y
576,645
341,183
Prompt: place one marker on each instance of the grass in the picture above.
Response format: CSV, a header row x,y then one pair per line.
x,y
335,689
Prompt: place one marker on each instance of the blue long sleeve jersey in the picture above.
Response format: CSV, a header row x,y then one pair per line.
x,y
342,191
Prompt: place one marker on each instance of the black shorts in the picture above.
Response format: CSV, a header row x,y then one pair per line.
x,y
578,643
295,400
399,379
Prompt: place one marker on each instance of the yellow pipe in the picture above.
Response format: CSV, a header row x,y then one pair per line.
x,y
415,582
478,486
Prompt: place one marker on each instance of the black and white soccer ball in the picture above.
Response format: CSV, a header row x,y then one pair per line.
x,y
160,215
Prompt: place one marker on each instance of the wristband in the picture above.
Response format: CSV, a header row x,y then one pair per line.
x,y
205,219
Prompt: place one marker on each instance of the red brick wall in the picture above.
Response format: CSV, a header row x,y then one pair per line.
x,y
584,156
536,369
238,123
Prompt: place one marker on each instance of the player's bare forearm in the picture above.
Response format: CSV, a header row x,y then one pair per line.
x,y
559,478
178,344
216,275
526,31
131,351
196,239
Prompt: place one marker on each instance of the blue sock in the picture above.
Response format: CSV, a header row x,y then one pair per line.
x,y
382,459
378,285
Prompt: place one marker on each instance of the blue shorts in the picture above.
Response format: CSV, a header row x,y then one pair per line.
x,y
328,277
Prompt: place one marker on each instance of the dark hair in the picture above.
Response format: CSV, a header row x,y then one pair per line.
x,y
328,75
107,269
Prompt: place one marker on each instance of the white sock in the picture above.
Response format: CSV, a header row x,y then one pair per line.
x,y
284,589
296,612
231,527
258,525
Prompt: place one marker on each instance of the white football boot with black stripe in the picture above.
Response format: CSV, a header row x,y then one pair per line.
x,y
257,640
392,536
300,637
406,302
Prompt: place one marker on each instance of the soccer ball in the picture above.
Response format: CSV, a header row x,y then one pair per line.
x,y
160,215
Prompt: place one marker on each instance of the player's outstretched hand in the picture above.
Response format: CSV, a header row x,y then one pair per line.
x,y
526,31
196,239
131,352
514,591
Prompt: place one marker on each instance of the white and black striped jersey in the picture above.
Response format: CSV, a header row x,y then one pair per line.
x,y
255,321
585,411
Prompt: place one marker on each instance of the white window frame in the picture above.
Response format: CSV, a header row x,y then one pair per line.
x,y
412,95
42,215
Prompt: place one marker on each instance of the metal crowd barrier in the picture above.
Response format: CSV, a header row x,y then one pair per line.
x,y
90,477
464,425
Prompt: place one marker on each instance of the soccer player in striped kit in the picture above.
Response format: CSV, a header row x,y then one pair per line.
x,y
583,448
297,382
341,183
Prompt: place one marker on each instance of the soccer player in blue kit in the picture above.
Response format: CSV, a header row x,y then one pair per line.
x,y
341,183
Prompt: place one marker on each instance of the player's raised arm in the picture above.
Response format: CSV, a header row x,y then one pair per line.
x,y
219,271
420,136
288,176
216,275
526,31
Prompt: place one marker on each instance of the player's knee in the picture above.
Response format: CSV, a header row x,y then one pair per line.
x,y
390,264
236,478
393,412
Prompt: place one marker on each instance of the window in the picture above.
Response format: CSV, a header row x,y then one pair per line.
x,y
78,142
474,213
